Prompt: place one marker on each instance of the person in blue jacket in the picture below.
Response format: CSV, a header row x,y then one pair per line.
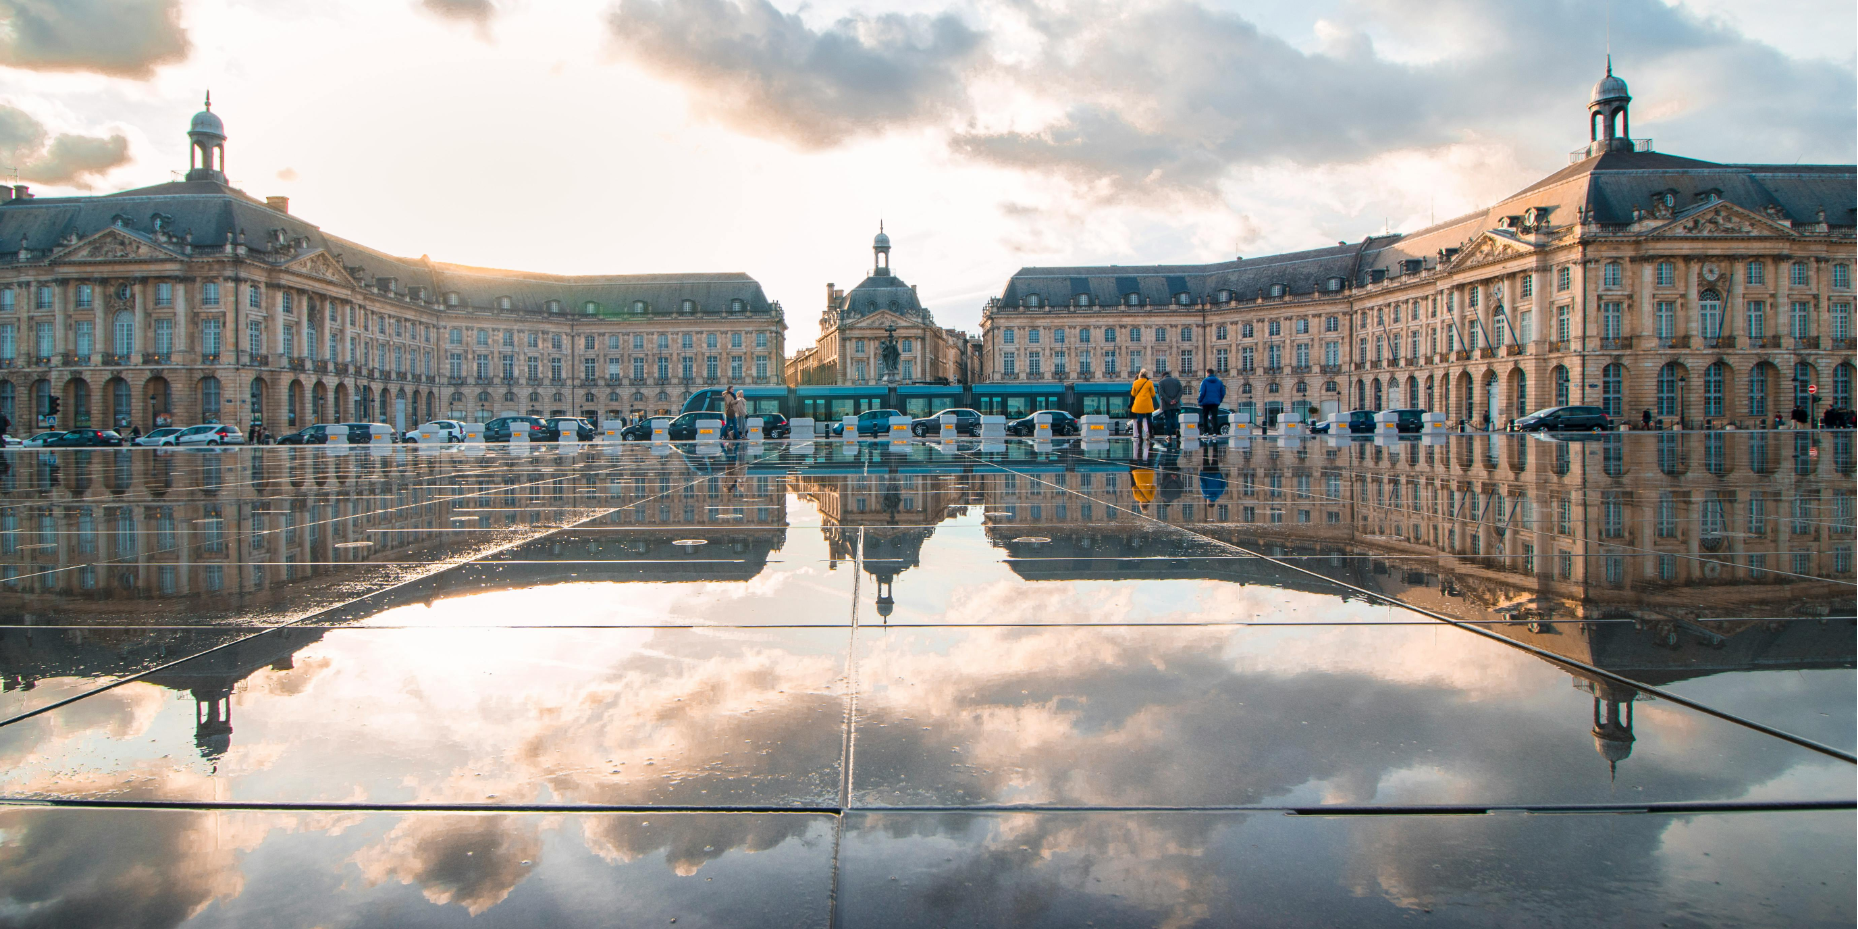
x,y
1212,394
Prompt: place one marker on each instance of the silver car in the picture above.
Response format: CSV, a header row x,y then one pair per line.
x,y
158,437
211,434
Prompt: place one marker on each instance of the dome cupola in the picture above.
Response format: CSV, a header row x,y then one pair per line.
x,y
1608,126
206,137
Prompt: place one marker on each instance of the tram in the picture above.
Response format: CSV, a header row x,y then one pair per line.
x,y
1012,400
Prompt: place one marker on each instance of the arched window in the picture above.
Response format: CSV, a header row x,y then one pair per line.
x,y
1561,385
8,399
1377,395
1713,380
124,326
1613,389
1758,390
1522,393
688,307
1710,314
1842,385
209,399
1667,390
1802,379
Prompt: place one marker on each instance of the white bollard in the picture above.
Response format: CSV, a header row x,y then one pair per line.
x,y
609,430
1432,424
850,424
1094,430
380,434
337,436
800,429
519,434
948,427
1240,425
1042,427
1291,429
474,432
993,427
661,431
899,429
1190,427
709,430
753,429
1387,422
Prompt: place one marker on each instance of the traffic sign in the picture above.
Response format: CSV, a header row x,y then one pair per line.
x,y
1812,388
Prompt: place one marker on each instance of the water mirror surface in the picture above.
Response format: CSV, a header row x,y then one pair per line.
x,y
944,679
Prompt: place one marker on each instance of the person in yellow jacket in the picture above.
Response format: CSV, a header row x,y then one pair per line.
x,y
1141,405
1142,481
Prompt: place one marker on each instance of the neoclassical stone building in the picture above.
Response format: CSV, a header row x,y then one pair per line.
x,y
193,302
1631,279
855,325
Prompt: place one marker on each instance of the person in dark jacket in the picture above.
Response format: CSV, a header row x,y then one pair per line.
x,y
1169,391
1212,394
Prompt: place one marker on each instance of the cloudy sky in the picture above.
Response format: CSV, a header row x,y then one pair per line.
x,y
584,136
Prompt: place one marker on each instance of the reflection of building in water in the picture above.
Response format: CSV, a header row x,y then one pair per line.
x,y
890,511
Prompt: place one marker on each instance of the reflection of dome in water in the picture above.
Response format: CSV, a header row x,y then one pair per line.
x,y
1612,729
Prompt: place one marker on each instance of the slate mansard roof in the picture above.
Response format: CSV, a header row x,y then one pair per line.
x,y
209,212
1605,189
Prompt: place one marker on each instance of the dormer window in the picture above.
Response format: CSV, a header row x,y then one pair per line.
x,y
590,308
1335,284
639,307
687,307
503,303
1279,290
1032,301
1183,299
738,305
1081,300
1225,296
554,306
451,298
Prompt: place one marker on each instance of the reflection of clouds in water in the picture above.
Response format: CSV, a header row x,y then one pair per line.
x,y
120,713
1167,716
690,842
473,861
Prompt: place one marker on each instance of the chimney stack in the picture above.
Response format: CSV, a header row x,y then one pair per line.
x,y
280,204
6,193
22,192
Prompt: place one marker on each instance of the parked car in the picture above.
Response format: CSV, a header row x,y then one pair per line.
x,y
85,438
364,433
156,437
1062,424
449,430
211,434
1360,422
967,422
39,440
1221,420
1565,419
872,423
499,429
312,435
583,430
773,425
1410,421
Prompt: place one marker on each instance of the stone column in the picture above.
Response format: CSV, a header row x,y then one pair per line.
x,y
181,321
60,317
141,298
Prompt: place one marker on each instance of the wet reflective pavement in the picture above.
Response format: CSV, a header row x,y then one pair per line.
x,y
1476,680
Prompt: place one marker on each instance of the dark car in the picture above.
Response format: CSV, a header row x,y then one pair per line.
x,y
773,425
684,428
967,422
872,423
85,438
308,435
1410,420
583,430
1565,419
498,430
1360,422
1062,424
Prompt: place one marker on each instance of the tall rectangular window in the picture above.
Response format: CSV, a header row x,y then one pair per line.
x,y
86,337
1562,323
210,336
1799,318
42,339
254,337
1667,274
44,299
1564,278
1757,319
1841,320
1797,275
164,293
1664,318
1757,273
209,293
1611,274
1610,320
9,342
254,297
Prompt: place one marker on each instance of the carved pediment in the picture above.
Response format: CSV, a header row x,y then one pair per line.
x,y
319,264
1489,247
112,245
1721,219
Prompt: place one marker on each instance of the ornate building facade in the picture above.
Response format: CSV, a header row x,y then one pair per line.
x,y
856,325
1633,280
192,302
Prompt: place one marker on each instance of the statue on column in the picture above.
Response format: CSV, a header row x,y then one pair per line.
x,y
888,355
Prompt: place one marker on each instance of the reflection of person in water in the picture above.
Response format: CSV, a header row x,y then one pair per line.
x,y
1169,464
1212,481
1142,480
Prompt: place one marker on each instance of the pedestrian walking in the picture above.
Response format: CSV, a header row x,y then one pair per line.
x,y
738,414
1212,394
1169,392
135,432
1141,408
